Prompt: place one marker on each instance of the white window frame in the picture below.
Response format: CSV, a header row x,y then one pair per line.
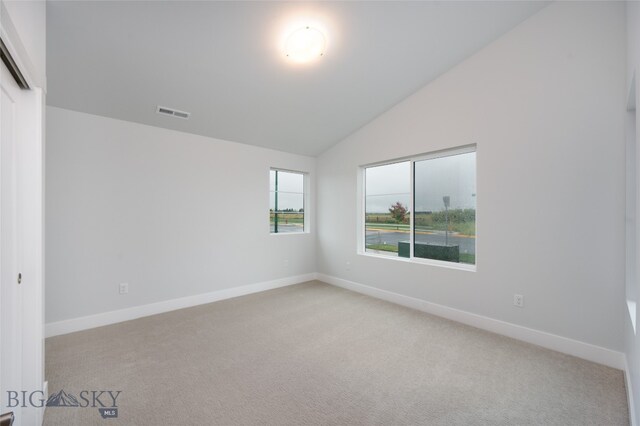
x,y
632,229
306,185
361,221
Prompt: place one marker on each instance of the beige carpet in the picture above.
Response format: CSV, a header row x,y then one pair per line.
x,y
313,354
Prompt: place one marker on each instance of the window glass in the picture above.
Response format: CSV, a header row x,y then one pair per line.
x,y
445,208
387,215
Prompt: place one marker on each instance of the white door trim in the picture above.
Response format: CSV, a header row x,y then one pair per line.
x,y
30,232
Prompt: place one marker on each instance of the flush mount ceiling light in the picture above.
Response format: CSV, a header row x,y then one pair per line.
x,y
305,44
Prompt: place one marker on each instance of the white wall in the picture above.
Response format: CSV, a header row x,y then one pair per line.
x,y
170,213
545,106
631,339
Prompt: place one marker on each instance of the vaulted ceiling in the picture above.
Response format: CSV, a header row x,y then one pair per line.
x,y
223,62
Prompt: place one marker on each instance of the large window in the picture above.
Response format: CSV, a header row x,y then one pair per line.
x,y
286,202
423,208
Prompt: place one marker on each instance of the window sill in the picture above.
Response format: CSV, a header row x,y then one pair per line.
x,y
289,233
419,261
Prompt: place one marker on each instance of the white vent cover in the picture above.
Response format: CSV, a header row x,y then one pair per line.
x,y
173,112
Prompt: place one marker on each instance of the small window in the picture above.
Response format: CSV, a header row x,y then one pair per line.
x,y
423,207
286,202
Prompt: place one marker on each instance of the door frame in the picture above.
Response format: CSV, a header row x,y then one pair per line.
x,y
30,191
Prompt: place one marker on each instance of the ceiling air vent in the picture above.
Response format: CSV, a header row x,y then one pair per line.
x,y
173,112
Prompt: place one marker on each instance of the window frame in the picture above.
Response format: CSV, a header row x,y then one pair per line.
x,y
305,201
632,180
362,194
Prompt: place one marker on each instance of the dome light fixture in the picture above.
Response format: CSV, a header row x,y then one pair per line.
x,y
305,44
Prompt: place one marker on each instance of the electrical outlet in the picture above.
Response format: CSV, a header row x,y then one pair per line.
x,y
123,288
518,300
348,266
286,263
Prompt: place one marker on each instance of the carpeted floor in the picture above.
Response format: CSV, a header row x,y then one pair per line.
x,y
313,354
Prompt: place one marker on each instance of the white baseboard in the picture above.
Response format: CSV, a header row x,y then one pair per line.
x,y
551,341
630,400
565,345
112,317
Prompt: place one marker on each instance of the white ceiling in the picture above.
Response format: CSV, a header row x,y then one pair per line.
x,y
222,62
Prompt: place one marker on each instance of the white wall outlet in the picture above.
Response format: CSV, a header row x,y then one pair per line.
x,y
347,267
518,300
286,263
123,288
